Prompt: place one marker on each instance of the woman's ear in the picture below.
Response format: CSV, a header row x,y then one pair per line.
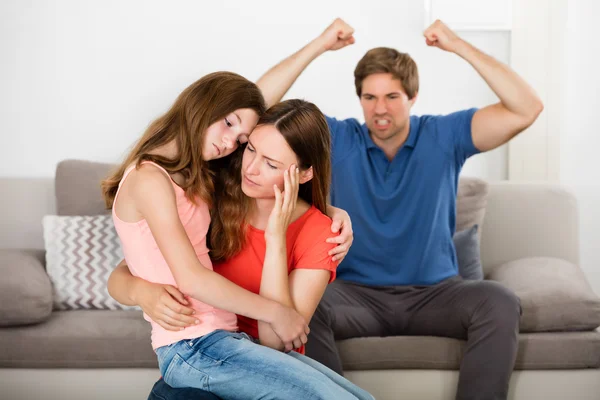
x,y
306,175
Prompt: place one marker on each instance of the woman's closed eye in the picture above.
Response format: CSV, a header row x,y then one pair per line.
x,y
229,124
251,150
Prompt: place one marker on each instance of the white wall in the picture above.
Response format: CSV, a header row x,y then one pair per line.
x,y
580,144
538,49
82,79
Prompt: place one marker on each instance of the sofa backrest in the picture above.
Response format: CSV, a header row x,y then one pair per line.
x,y
77,187
78,192
529,220
521,219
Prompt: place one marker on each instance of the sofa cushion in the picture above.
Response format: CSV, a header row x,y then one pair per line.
x,y
467,253
115,339
555,295
81,252
80,339
548,350
77,187
471,201
25,289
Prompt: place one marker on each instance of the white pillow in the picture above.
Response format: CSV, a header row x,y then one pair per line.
x,y
81,252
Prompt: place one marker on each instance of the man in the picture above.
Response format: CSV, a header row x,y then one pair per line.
x,y
396,175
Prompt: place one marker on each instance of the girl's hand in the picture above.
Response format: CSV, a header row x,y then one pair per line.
x,y
166,306
285,204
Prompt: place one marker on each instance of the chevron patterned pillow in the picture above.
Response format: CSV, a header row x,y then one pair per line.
x,y
81,252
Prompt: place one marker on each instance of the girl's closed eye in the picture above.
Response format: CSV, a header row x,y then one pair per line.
x,y
229,124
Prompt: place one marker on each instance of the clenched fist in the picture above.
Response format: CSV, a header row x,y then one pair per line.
x,y
442,37
337,35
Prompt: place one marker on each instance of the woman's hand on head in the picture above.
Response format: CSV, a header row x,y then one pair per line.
x,y
285,204
166,306
342,224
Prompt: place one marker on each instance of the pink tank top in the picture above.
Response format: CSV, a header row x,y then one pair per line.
x,y
146,261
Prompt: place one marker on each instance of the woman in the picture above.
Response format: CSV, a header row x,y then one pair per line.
x,y
268,242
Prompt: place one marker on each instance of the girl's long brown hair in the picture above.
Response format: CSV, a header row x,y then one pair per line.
x,y
305,130
204,102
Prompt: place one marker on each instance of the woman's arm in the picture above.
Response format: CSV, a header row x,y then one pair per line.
x,y
274,280
160,212
304,288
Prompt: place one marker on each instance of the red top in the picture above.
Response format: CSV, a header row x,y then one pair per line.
x,y
306,249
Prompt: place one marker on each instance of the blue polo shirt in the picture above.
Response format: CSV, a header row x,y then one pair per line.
x,y
403,212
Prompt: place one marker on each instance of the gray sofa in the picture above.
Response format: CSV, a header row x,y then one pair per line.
x,y
529,242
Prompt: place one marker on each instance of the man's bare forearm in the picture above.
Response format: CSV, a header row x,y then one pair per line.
x,y
277,81
514,93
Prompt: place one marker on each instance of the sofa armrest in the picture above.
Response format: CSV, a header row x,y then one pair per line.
x,y
25,288
529,220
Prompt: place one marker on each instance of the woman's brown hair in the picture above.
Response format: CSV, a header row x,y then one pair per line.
x,y
204,102
305,130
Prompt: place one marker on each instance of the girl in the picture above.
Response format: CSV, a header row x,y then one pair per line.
x,y
163,238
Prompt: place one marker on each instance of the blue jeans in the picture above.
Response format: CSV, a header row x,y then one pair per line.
x,y
230,365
